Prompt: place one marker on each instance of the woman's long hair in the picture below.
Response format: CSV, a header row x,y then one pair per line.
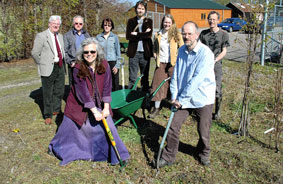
x,y
100,56
173,31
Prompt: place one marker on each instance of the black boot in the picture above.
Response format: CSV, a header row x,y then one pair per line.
x,y
154,113
217,114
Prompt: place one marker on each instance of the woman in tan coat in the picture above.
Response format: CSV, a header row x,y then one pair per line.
x,y
165,50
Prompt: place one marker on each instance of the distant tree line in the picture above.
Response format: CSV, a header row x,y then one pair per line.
x,y
22,19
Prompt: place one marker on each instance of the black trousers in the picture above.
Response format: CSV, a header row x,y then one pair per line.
x,y
115,77
70,75
53,88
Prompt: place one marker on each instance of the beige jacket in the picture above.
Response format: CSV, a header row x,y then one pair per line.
x,y
43,52
174,46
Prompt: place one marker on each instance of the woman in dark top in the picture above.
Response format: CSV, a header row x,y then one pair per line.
x,y
82,136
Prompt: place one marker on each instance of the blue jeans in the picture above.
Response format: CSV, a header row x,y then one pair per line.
x,y
136,63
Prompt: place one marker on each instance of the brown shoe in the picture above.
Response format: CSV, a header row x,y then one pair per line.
x,y
48,121
55,113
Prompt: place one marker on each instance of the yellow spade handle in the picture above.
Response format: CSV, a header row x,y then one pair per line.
x,y
109,132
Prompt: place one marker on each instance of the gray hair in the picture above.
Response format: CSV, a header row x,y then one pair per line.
x,y
88,41
76,17
54,17
191,22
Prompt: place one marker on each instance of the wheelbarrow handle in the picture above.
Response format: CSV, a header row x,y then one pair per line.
x,y
160,85
122,64
137,81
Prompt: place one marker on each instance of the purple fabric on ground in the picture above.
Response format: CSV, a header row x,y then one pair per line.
x,y
90,142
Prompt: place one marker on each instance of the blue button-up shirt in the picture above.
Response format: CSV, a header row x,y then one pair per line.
x,y
193,81
111,47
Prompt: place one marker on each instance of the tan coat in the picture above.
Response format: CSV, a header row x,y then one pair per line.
x,y
174,46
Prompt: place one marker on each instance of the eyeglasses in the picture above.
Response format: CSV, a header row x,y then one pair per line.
x,y
107,25
187,34
212,20
79,23
91,51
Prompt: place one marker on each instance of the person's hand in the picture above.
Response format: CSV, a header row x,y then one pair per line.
x,y
72,64
176,104
147,30
134,33
98,116
115,70
105,112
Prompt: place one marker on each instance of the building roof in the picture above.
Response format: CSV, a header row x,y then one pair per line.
x,y
244,7
191,4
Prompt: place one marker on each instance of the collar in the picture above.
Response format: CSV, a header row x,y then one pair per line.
x,y
196,49
110,35
216,31
75,31
52,33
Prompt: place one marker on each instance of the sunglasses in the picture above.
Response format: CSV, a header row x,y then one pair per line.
x,y
91,51
108,25
79,23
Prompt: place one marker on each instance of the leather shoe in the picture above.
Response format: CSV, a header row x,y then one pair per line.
x,y
48,121
56,113
162,163
154,113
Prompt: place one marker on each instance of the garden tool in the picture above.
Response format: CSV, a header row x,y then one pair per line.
x,y
113,143
173,110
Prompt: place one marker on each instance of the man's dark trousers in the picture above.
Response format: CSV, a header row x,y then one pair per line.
x,y
139,61
204,118
218,78
53,88
70,75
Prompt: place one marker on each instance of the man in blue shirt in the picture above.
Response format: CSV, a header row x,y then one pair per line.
x,y
72,41
192,88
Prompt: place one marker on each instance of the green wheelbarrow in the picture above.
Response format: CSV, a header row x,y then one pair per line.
x,y
126,102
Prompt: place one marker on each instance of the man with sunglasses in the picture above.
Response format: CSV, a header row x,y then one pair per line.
x,y
218,41
139,32
72,41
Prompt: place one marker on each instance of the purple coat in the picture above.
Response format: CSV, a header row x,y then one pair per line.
x,y
83,95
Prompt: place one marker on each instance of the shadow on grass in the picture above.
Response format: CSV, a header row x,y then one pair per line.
x,y
224,126
37,96
150,133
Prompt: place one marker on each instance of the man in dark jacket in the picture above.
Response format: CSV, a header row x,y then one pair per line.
x,y
139,32
72,41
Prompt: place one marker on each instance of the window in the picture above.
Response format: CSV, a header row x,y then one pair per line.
x,y
203,16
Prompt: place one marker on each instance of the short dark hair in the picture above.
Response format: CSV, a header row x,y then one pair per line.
x,y
144,3
213,12
107,20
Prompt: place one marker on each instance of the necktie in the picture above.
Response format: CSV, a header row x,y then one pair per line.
x,y
58,51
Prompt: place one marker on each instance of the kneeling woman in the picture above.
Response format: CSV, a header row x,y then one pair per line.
x,y
82,136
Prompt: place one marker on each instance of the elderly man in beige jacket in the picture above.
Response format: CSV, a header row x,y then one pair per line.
x,y
48,54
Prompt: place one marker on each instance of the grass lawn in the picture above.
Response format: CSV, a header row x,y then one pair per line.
x,y
23,157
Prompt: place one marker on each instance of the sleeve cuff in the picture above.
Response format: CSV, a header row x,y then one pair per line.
x,y
89,105
107,99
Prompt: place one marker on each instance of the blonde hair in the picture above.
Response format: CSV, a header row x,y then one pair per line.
x,y
173,31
